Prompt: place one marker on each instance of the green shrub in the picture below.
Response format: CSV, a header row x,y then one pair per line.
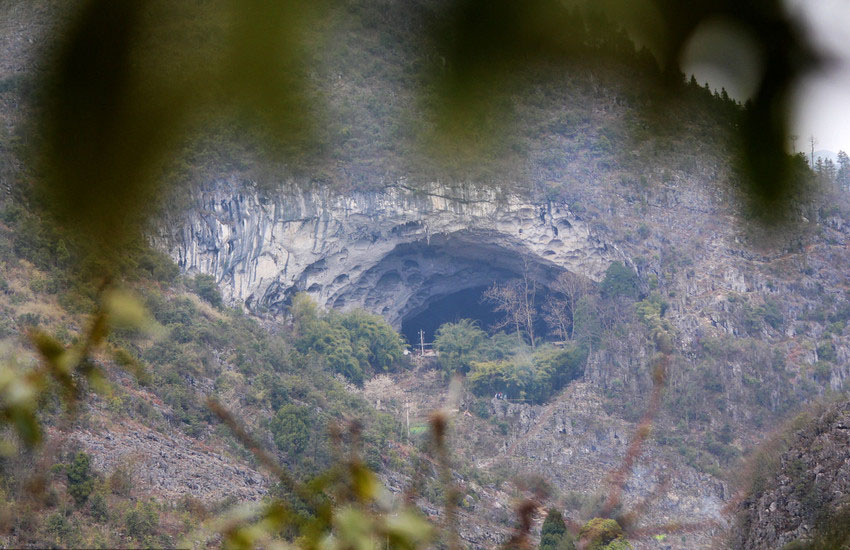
x,y
599,533
80,478
98,507
120,482
620,281
458,345
58,526
535,378
29,320
553,533
354,344
651,311
826,351
772,314
157,265
205,286
290,429
142,520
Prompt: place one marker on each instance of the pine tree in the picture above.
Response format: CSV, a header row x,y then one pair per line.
x,y
829,171
842,177
553,533
80,479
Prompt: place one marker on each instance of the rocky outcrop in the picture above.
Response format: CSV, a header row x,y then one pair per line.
x,y
171,466
811,486
573,444
391,252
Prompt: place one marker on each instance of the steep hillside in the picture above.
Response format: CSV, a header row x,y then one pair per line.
x,y
800,498
598,178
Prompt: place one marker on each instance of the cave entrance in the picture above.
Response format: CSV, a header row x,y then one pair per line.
x,y
465,304
422,284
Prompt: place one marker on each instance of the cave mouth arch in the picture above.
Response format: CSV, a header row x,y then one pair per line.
x,y
424,283
464,304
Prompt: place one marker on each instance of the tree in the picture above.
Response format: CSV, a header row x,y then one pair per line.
x,y
829,171
842,177
535,377
600,533
587,322
560,306
553,533
620,281
373,339
205,286
290,429
457,345
516,299
558,315
141,520
80,478
355,343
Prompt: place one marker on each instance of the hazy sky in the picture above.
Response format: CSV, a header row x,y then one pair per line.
x,y
726,57
823,101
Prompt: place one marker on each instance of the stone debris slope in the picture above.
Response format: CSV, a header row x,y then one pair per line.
x,y
171,466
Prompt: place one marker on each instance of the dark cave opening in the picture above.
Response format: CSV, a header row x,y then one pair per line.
x,y
465,304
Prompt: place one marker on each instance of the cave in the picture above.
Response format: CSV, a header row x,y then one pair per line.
x,y
465,304
422,284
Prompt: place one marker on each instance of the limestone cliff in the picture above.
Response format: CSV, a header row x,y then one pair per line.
x,y
390,252
758,321
807,496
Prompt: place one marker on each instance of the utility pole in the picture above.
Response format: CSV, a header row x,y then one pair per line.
x,y
407,414
421,342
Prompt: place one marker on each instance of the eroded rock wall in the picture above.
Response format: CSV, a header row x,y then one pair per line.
x,y
389,251
802,499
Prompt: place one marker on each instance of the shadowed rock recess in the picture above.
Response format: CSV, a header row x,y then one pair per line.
x,y
392,252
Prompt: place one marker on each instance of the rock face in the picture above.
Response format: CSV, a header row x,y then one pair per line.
x,y
390,252
171,466
570,442
811,486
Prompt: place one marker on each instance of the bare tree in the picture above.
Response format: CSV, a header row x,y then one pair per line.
x,y
558,315
516,299
813,142
559,307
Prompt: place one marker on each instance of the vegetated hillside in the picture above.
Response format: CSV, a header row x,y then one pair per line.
x,y
804,503
750,326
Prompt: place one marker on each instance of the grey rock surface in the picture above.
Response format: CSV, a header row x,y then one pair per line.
x,y
390,252
812,484
171,466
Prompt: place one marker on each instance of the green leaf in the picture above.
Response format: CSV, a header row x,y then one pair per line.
x,y
365,483
408,528
126,311
354,529
48,347
26,425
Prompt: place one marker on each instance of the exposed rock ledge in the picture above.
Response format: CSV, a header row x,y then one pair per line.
x,y
171,466
810,488
391,252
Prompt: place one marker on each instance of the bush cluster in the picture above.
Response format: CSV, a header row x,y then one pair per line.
x,y
535,377
355,344
506,364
